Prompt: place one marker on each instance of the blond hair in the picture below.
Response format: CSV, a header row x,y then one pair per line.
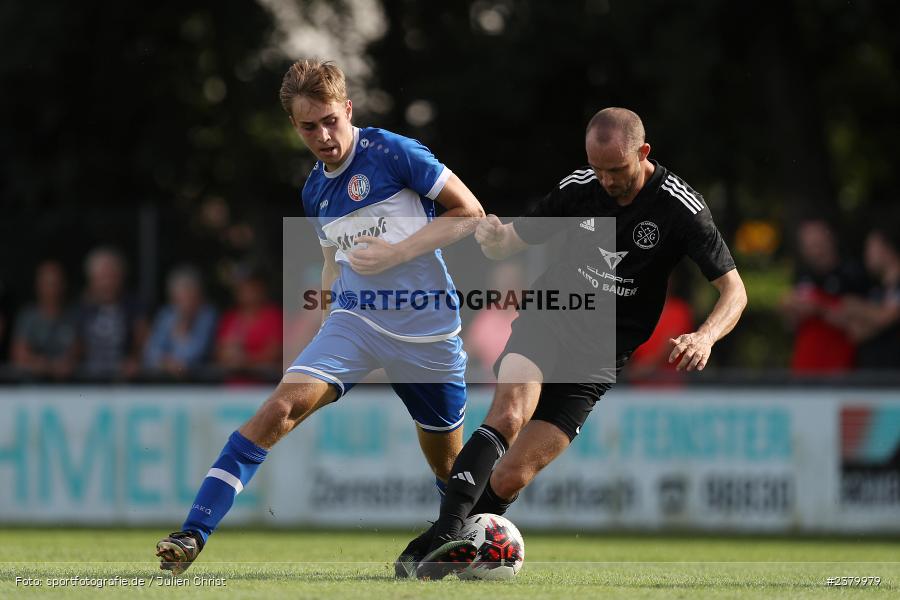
x,y
321,81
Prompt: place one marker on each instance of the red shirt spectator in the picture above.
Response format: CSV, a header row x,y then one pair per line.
x,y
649,364
820,346
254,335
249,336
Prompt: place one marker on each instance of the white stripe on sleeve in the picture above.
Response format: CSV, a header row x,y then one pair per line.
x,y
439,184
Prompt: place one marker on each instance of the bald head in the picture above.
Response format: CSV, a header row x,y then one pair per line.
x,y
618,126
617,152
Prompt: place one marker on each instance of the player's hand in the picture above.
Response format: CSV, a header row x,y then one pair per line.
x,y
373,258
489,231
694,350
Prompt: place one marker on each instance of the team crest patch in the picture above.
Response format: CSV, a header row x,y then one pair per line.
x,y
646,235
358,188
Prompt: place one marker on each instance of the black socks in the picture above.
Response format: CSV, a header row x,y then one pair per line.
x,y
490,502
469,478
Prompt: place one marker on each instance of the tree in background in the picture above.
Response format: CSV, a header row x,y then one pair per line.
x,y
113,116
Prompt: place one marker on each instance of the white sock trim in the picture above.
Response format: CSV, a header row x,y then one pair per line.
x,y
493,438
227,478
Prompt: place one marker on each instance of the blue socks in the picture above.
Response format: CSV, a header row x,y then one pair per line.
x,y
236,465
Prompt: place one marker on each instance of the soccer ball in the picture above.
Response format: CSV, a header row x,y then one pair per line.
x,y
501,549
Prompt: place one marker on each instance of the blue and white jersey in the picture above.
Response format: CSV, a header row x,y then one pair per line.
x,y
385,188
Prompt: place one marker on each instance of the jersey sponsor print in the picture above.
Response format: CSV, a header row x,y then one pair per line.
x,y
386,189
665,222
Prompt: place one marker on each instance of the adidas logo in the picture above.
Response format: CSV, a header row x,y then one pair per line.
x,y
588,224
465,476
471,535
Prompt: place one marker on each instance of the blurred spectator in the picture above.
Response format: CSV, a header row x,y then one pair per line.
x,y
184,329
249,337
874,322
44,338
649,364
487,334
112,327
822,278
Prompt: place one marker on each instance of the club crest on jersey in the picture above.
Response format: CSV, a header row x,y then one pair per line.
x,y
358,188
646,235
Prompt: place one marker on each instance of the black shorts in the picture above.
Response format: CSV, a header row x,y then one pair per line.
x,y
571,389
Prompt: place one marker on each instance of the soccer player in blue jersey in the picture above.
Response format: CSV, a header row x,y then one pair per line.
x,y
371,197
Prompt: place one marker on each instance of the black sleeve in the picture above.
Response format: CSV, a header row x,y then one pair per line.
x,y
543,218
705,246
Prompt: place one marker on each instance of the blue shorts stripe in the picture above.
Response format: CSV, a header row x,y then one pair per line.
x,y
448,428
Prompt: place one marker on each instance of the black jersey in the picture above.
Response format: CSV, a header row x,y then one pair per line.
x,y
666,221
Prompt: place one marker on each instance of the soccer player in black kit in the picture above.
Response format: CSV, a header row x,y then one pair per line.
x,y
544,392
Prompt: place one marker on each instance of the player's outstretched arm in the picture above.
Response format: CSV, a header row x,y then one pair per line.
x,y
462,210
695,348
498,241
462,213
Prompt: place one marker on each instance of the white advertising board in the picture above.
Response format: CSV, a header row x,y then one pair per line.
x,y
693,459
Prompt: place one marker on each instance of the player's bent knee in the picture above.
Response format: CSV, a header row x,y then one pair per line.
x,y
509,481
277,409
292,402
508,418
288,405
511,409
507,422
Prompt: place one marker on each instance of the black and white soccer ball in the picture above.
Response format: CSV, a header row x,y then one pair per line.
x,y
501,549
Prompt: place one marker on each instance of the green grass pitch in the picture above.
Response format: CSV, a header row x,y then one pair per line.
x,y
357,564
